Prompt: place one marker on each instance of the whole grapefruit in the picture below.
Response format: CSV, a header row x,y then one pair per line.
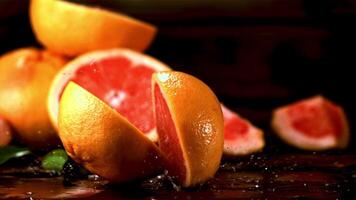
x,y
25,77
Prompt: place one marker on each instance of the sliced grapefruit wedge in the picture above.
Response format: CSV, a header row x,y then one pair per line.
x,y
73,29
119,77
189,125
312,124
240,136
102,140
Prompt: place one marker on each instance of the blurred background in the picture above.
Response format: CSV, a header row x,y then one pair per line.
x,y
256,55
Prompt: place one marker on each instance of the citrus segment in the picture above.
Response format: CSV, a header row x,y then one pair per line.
x,y
25,77
169,141
190,126
121,78
313,124
74,29
240,136
102,140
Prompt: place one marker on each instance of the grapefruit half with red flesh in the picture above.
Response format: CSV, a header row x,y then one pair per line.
x,y
119,77
240,136
189,125
102,140
312,124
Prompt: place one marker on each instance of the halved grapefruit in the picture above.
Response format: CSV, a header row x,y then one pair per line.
x,y
312,124
73,29
190,126
102,140
240,136
119,77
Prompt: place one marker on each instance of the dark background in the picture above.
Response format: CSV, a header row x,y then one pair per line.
x,y
256,55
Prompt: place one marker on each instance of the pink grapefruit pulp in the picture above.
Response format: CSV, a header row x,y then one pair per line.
x,y
312,124
119,77
240,136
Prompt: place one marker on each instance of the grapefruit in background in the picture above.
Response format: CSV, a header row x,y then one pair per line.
x,y
189,125
312,124
73,29
240,136
25,77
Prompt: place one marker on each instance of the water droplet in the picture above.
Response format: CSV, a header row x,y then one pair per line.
x,y
305,185
257,186
163,77
326,184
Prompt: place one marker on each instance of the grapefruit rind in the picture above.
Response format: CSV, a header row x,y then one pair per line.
x,y
65,75
102,140
73,29
251,142
198,120
282,127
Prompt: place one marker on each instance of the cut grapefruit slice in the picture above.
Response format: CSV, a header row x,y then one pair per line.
x,y
74,29
312,124
119,77
102,140
240,136
189,125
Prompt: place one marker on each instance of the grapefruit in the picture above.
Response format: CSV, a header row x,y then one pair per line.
x,y
5,133
240,136
25,77
312,124
73,29
189,125
102,140
119,77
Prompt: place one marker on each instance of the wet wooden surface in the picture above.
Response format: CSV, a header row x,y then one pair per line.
x,y
286,176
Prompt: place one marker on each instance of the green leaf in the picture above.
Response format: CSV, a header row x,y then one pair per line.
x,y
55,160
9,152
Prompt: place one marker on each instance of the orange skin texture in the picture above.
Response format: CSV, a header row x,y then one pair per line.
x,y
5,133
199,124
102,140
25,77
74,29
